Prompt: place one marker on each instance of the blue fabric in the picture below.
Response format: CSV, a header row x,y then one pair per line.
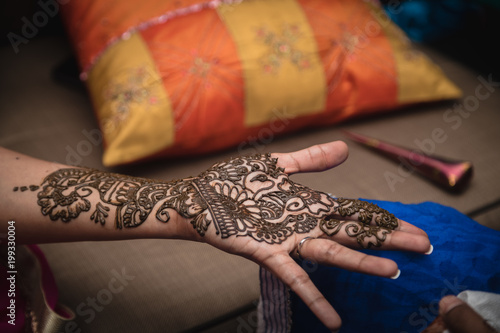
x,y
466,256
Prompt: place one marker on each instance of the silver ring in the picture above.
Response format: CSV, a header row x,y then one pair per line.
x,y
301,243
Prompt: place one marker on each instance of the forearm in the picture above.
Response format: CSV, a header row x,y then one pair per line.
x,y
245,205
52,202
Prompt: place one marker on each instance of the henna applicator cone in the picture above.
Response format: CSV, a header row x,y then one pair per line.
x,y
452,175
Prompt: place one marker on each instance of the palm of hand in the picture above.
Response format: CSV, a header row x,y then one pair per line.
x,y
251,196
258,212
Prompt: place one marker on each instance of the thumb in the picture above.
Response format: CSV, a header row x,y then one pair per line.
x,y
316,158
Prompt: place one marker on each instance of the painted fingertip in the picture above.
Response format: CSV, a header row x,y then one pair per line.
x,y
394,277
431,249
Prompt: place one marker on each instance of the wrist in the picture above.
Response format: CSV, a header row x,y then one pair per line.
x,y
176,227
175,208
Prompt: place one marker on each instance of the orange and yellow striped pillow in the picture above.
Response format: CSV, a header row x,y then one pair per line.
x,y
170,78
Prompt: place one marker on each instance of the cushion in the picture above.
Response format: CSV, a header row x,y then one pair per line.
x,y
173,78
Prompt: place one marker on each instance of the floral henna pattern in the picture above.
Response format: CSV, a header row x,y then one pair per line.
x,y
244,196
65,195
366,234
251,196
366,211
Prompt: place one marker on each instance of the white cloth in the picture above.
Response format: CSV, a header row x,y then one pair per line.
x,y
487,305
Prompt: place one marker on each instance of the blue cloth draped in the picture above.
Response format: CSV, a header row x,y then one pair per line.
x,y
466,257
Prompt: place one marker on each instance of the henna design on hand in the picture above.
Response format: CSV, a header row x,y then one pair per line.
x,y
367,235
251,196
244,196
65,195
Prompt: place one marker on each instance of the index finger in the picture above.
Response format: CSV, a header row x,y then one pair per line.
x,y
316,158
288,271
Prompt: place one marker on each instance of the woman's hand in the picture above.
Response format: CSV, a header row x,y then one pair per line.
x,y
249,206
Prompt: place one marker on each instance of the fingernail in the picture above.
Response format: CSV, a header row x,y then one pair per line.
x,y
397,275
431,249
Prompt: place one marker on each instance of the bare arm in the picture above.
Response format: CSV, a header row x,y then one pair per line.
x,y
51,202
247,206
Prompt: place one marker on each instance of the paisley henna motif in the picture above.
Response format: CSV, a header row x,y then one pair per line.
x,y
65,194
251,196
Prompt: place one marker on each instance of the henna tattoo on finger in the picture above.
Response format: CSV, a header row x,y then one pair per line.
x,y
372,227
366,213
366,235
